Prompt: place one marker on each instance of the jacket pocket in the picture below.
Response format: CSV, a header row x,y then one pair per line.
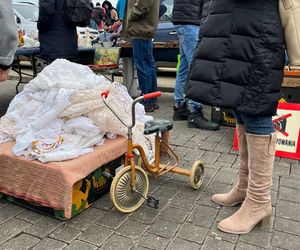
x,y
287,4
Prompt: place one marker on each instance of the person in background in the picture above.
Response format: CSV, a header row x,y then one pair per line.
x,y
8,38
187,24
139,26
111,16
121,4
58,39
100,14
238,65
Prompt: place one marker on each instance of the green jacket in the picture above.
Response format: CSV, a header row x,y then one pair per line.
x,y
141,19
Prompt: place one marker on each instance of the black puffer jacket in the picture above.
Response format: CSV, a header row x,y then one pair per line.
x,y
187,12
239,62
58,39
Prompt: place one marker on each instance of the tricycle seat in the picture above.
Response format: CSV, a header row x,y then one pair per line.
x,y
158,125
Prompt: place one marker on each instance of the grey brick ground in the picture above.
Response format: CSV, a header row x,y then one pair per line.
x,y
186,219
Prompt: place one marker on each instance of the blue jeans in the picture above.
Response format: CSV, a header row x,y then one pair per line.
x,y
146,66
259,125
188,37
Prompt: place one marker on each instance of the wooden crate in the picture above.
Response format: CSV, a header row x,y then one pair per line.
x,y
291,77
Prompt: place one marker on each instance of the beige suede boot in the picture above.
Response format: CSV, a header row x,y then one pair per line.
x,y
238,193
257,205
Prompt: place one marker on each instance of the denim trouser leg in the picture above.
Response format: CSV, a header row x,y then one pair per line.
x,y
145,65
259,125
188,37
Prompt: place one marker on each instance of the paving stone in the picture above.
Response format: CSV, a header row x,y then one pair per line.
x,y
203,216
194,154
181,139
165,193
145,215
132,229
48,243
286,241
224,148
112,219
207,145
281,170
205,200
173,185
174,214
219,235
164,228
273,195
223,165
225,176
8,211
23,241
257,237
227,158
275,184
187,192
288,210
86,218
182,203
180,244
117,242
287,226
192,144
246,246
66,234
289,194
217,244
139,248
181,151
217,187
12,228
210,172
80,245
225,212
96,235
201,135
152,188
192,232
2,202
30,216
103,203
290,183
43,227
295,169
152,241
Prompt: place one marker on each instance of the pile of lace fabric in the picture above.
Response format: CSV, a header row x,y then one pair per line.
x,y
60,115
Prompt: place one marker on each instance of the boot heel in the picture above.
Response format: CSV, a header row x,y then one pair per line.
x,y
265,222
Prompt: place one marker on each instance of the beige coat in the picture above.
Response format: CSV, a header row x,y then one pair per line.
x,y
141,19
290,19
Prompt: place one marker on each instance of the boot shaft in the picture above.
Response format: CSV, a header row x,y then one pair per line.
x,y
261,151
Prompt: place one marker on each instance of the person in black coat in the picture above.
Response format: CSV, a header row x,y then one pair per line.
x,y
239,65
186,18
58,39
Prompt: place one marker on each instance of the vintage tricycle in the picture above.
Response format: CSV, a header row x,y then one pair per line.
x,y
129,188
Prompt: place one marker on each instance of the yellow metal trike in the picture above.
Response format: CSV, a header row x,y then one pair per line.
x,y
129,188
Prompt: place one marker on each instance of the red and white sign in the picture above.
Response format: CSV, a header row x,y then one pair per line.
x,y
287,126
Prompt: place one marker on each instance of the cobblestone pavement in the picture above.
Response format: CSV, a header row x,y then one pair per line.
x,y
186,219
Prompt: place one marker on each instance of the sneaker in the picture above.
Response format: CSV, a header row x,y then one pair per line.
x,y
197,120
181,112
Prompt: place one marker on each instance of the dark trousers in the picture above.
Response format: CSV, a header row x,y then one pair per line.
x,y
145,65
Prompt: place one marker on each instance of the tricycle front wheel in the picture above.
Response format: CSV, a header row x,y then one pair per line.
x,y
124,198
